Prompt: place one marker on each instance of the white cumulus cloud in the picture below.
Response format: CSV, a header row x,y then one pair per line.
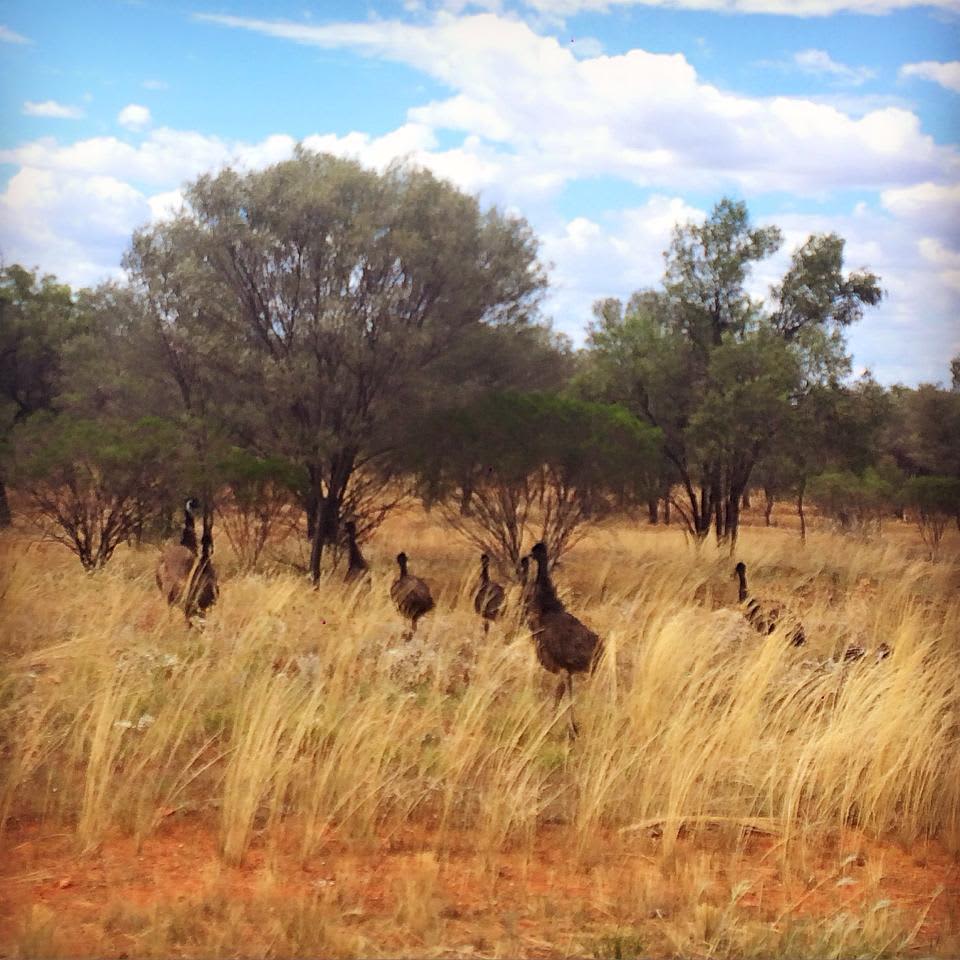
x,y
134,116
946,74
820,63
50,108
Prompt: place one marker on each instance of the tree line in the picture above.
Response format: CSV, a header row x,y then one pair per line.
x,y
317,341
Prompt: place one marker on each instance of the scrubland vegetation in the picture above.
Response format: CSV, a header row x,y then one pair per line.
x,y
729,795
320,358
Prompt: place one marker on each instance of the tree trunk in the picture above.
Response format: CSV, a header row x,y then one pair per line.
x,y
466,497
803,519
653,512
746,499
5,517
311,504
768,502
327,524
666,510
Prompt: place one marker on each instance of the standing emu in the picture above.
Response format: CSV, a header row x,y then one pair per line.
x,y
357,566
488,601
411,595
182,576
763,616
563,643
177,559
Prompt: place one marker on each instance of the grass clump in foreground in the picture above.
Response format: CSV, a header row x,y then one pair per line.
x,y
721,783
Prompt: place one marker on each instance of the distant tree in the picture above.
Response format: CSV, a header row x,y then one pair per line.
x,y
934,501
538,466
258,498
87,482
342,301
923,431
38,318
857,503
722,378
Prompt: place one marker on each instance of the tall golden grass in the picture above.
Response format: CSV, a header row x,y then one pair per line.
x,y
294,715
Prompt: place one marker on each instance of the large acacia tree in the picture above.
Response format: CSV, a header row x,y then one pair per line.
x,y
719,374
326,303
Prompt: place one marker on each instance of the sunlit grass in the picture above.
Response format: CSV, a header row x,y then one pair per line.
x,y
295,715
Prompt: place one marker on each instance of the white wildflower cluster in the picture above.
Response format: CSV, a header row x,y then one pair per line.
x,y
145,721
148,659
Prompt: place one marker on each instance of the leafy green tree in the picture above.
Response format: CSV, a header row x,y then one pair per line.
x,y
934,500
38,318
341,301
259,497
722,378
923,434
536,464
855,502
87,481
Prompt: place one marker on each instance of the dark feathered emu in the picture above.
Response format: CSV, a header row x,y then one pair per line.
x,y
357,566
177,559
184,577
563,643
411,595
764,616
488,601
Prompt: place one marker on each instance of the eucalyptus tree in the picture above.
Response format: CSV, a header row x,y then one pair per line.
x,y
327,304
722,377
39,316
538,465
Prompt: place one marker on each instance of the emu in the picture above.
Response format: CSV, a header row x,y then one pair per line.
x,y
411,595
563,643
488,601
357,566
763,616
177,559
182,576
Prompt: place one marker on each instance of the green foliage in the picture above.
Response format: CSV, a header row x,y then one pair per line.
x,y
516,461
344,301
854,501
935,501
91,484
725,381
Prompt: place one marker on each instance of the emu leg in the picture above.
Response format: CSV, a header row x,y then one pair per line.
x,y
563,686
486,627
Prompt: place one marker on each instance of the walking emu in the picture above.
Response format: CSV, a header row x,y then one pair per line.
x,y
563,643
488,601
357,566
411,595
763,616
182,576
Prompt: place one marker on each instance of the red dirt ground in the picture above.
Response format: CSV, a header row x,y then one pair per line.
x,y
40,865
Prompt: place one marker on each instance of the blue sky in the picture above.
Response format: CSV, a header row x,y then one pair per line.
x,y
603,122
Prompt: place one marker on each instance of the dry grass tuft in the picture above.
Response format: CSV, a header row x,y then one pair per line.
x,y
300,723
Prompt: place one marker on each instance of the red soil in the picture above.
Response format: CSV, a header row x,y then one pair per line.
x,y
179,862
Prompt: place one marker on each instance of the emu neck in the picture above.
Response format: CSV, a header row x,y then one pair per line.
x,y
403,567
206,541
545,594
356,557
484,573
188,538
743,585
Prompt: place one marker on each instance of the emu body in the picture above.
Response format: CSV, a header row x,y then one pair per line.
x,y
563,643
764,616
411,595
488,601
